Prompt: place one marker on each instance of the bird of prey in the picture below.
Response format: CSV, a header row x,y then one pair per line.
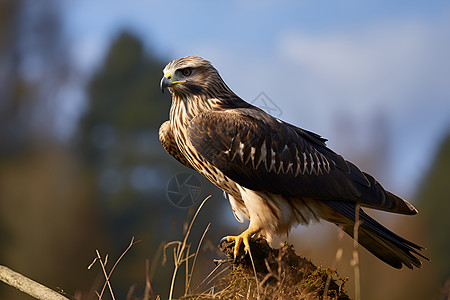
x,y
276,175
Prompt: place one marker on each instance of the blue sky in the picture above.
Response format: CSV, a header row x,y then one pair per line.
x,y
315,59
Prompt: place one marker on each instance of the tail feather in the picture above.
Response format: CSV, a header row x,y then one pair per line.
x,y
380,241
377,197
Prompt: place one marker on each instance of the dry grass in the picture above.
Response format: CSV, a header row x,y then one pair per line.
x,y
273,274
182,255
265,273
107,274
355,261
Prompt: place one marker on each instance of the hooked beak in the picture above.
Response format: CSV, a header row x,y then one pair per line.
x,y
165,83
168,81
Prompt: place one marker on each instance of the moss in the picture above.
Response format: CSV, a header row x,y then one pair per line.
x,y
280,272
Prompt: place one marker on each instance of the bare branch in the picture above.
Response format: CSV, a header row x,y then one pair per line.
x,y
28,286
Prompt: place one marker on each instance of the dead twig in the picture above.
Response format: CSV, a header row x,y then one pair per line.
x,y
355,260
28,286
195,258
103,266
256,275
181,249
337,260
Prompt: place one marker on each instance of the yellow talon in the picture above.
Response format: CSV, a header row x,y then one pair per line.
x,y
242,238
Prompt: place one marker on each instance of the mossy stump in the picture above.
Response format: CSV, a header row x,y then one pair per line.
x,y
280,273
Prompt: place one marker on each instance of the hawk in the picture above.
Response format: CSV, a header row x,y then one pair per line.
x,y
276,175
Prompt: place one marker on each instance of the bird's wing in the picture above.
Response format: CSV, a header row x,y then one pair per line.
x,y
168,142
263,153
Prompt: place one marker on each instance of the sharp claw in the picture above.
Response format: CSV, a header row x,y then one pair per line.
x,y
246,246
238,240
236,249
223,240
237,244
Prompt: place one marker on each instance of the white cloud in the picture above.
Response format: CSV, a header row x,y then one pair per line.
x,y
384,65
399,68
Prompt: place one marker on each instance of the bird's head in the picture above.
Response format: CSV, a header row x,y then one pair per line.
x,y
191,75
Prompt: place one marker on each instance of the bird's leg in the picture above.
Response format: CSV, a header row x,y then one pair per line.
x,y
244,237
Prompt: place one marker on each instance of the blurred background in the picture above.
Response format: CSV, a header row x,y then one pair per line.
x,y
81,167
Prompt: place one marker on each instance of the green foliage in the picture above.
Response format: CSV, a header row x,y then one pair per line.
x,y
434,203
124,99
125,92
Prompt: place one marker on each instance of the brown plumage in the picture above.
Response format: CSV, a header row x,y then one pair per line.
x,y
276,174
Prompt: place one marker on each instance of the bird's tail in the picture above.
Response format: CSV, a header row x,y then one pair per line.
x,y
380,241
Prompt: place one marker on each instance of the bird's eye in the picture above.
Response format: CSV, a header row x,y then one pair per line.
x,y
186,72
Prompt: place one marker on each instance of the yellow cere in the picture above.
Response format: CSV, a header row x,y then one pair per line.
x,y
169,77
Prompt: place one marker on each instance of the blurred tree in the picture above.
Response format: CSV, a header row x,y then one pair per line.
x,y
13,88
119,141
47,217
34,70
119,132
434,204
